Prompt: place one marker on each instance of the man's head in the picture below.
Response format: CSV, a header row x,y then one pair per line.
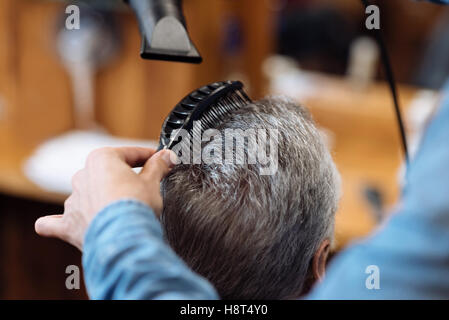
x,y
257,236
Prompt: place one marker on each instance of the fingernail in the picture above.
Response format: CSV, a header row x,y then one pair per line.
x,y
170,158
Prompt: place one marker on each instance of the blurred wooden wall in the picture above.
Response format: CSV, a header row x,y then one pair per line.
x,y
406,25
133,96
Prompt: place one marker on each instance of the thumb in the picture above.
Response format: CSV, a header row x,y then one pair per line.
x,y
50,226
159,165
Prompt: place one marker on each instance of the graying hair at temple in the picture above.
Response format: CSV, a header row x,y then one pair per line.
x,y
254,236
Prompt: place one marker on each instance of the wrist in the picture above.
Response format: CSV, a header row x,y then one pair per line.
x,y
112,209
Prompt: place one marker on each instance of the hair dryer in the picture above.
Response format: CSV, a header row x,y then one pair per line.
x,y
164,31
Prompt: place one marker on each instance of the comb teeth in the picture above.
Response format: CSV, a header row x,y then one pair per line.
x,y
218,112
210,104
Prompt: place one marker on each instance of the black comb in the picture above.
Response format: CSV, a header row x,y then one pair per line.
x,y
209,104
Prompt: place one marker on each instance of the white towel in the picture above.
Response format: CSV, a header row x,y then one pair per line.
x,y
53,164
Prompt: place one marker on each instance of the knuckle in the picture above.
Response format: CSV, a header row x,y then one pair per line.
x,y
91,157
76,178
98,153
67,203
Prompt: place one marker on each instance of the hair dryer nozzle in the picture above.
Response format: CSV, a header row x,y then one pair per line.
x,y
164,31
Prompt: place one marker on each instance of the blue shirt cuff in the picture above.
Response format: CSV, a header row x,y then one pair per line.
x,y
126,257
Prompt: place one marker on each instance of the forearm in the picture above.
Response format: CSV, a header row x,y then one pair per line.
x,y
125,257
412,250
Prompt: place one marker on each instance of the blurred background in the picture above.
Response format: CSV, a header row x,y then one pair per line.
x,y
64,93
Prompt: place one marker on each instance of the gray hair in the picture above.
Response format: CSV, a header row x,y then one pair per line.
x,y
254,236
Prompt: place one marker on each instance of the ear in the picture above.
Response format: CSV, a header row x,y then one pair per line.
x,y
320,259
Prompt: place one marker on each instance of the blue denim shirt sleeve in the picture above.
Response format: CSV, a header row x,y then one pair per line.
x,y
411,251
126,257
